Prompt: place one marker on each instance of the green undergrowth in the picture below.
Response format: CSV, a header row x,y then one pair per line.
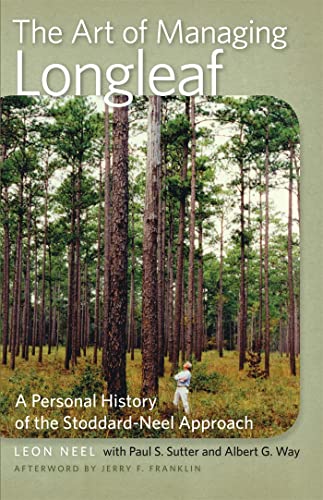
x,y
218,392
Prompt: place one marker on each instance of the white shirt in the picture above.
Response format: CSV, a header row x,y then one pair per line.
x,y
183,378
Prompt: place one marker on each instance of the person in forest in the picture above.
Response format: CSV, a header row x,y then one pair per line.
x,y
183,380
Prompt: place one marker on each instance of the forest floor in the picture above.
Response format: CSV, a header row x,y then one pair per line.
x,y
219,391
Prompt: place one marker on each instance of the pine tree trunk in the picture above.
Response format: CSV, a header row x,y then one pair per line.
x,y
6,271
132,325
281,334
70,334
50,316
85,323
98,277
170,291
149,287
87,326
15,323
107,238
248,338
199,308
191,274
242,312
298,180
183,323
161,272
117,333
178,314
297,327
35,313
260,330
220,301
42,329
6,256
291,310
58,323
54,317
26,311
297,299
76,340
266,259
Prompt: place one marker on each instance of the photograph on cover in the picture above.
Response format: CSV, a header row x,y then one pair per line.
x,y
149,267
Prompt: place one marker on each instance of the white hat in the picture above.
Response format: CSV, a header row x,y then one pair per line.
x,y
187,364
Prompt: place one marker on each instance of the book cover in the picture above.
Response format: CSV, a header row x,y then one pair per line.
x,y
160,235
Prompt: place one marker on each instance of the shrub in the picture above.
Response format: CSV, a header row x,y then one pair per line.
x,y
203,381
254,369
89,383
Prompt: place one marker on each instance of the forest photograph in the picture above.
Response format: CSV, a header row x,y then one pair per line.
x,y
149,252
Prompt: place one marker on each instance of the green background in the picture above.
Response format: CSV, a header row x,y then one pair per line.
x,y
293,74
